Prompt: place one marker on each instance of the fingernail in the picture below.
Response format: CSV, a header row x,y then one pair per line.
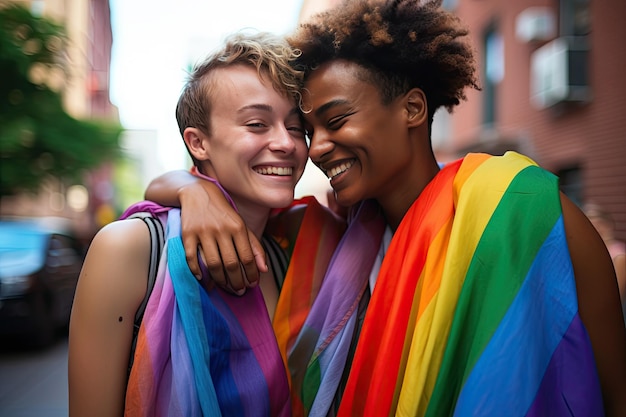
x,y
198,277
240,292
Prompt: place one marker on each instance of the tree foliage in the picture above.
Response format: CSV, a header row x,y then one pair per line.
x,y
38,138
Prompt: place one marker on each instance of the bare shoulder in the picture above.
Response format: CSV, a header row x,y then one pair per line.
x,y
599,303
123,235
119,254
114,277
619,262
592,263
110,289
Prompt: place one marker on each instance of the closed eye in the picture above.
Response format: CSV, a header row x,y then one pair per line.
x,y
299,129
336,122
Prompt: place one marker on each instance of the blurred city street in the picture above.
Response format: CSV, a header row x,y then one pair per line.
x,y
33,383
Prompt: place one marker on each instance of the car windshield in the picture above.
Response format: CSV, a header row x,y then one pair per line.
x,y
22,248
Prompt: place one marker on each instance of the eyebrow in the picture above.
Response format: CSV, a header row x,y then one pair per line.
x,y
263,107
326,106
266,108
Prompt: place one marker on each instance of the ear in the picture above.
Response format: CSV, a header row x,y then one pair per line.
x,y
416,107
197,143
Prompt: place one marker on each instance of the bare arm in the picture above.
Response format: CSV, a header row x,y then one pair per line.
x,y
599,305
210,224
101,326
164,189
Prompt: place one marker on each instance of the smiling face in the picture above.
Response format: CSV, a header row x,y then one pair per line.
x,y
256,148
365,147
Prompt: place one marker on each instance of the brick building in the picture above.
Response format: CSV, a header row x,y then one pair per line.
x,y
552,88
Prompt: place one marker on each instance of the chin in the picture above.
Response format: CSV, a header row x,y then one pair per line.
x,y
279,201
346,200
283,204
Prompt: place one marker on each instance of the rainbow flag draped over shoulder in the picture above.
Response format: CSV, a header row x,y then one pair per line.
x,y
475,309
203,352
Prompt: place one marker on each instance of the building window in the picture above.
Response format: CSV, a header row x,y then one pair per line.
x,y
570,183
575,18
494,72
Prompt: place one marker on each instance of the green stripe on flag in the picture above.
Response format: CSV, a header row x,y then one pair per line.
x,y
312,381
506,250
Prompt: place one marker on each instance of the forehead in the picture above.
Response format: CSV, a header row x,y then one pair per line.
x,y
224,80
232,87
333,73
337,82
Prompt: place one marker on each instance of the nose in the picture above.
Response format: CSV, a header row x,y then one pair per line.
x,y
283,141
320,146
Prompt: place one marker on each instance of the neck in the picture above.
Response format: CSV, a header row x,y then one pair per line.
x,y
402,195
254,216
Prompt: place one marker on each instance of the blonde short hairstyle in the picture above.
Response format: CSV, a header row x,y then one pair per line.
x,y
269,54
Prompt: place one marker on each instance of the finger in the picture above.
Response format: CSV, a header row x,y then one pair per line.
x,y
211,263
259,262
227,265
259,253
191,251
232,267
245,253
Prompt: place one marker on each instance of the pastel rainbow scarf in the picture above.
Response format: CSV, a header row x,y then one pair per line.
x,y
203,353
315,317
475,309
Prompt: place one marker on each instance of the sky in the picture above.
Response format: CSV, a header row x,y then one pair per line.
x,y
155,41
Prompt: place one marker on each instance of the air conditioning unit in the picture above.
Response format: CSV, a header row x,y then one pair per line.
x,y
559,72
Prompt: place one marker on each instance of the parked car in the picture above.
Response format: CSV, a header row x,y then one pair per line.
x,y
39,268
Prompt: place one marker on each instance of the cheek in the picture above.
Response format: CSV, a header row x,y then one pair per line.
x,y
302,152
246,151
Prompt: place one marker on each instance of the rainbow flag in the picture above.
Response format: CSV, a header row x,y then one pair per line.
x,y
475,309
203,352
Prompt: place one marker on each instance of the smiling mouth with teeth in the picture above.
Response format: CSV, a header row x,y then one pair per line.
x,y
339,169
280,171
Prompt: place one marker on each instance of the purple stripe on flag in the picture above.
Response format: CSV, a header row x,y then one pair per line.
x,y
525,356
578,386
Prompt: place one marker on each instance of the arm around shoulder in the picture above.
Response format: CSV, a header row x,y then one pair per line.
x,y
164,189
599,305
112,284
211,224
